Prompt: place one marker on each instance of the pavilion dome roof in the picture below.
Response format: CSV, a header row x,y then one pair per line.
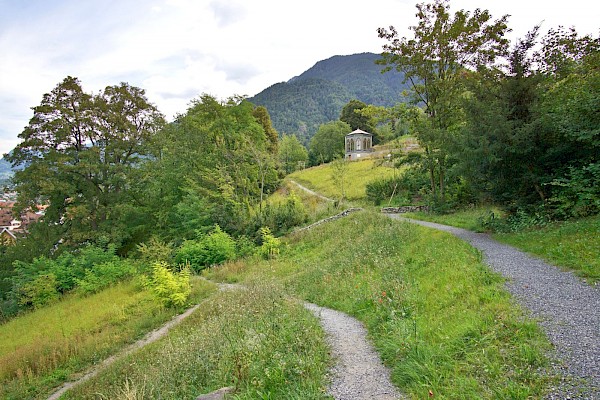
x,y
359,132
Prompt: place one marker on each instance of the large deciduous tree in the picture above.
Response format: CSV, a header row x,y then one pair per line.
x,y
80,153
264,119
352,116
291,153
328,142
215,165
444,46
532,137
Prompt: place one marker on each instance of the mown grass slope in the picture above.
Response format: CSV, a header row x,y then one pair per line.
x,y
574,245
358,175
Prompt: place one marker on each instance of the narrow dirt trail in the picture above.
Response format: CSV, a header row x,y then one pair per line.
x,y
358,373
567,308
307,190
150,337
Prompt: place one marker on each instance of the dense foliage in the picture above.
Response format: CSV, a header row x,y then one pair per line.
x,y
514,126
82,155
328,143
291,154
115,175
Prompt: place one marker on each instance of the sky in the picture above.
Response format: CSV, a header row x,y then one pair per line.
x,y
177,50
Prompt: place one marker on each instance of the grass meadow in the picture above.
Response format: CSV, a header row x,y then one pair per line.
x,y
467,219
358,175
441,320
45,347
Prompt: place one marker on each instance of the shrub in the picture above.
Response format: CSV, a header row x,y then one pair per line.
x,y
155,250
211,249
270,244
281,217
42,280
518,221
577,194
171,289
244,246
102,275
39,292
404,188
381,190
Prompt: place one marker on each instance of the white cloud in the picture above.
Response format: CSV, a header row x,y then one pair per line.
x,y
179,49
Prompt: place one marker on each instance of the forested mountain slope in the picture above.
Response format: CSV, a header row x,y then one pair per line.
x,y
318,95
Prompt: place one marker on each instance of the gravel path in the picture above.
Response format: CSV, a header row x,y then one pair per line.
x,y
358,373
567,308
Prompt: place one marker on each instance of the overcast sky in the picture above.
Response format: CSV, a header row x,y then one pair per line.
x,y
178,49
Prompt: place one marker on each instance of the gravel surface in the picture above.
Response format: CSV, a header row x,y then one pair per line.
x,y
567,309
358,373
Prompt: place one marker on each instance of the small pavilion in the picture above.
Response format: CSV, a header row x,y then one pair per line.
x,y
358,144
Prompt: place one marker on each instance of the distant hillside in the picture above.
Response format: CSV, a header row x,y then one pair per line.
x,y
318,95
6,172
5,168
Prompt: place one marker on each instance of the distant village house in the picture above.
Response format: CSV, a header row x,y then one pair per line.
x,y
10,227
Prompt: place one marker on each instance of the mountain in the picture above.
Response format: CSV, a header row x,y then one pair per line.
x,y
6,172
318,95
5,168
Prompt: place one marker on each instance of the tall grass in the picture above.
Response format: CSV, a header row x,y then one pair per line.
x,y
359,174
43,348
571,244
256,339
467,219
441,320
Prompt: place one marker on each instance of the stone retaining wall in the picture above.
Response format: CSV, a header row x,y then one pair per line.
x,y
404,209
332,218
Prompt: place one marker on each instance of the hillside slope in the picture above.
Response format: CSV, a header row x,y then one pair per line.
x,y
318,95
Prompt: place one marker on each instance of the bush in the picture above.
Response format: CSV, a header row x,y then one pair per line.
x,y
244,246
404,188
171,289
43,280
155,250
270,244
381,189
102,275
578,194
211,249
516,222
39,292
280,218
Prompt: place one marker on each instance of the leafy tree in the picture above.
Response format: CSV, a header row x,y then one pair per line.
x,y
352,116
391,122
443,48
262,116
214,165
291,153
339,172
80,153
532,132
328,142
